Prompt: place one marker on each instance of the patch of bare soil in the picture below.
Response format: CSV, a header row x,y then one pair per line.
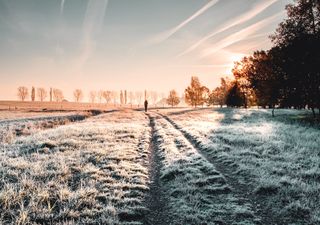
x,y
155,201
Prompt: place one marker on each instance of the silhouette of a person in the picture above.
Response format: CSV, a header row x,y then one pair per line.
x,y
145,105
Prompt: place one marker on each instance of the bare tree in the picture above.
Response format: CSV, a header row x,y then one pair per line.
x,y
33,94
42,94
51,94
92,96
22,93
100,95
115,97
139,96
125,97
107,95
121,98
173,98
163,98
183,98
57,95
146,95
131,97
154,97
78,95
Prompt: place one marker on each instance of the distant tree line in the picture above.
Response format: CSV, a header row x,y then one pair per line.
x,y
40,94
197,94
122,97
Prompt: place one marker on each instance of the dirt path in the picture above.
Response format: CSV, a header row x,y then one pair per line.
x,y
242,191
155,201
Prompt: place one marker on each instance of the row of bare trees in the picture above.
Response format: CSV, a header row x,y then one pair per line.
x,y
41,94
122,97
195,95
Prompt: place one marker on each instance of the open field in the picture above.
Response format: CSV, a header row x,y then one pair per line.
x,y
13,124
90,172
273,162
53,106
171,166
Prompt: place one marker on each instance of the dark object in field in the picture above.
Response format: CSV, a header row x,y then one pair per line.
x,y
95,112
145,105
267,190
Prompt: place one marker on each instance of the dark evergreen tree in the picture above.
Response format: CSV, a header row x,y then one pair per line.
x,y
234,96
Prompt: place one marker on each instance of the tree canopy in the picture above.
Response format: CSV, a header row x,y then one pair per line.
x,y
287,75
173,98
196,94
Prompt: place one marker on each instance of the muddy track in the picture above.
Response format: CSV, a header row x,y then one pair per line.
x,y
243,191
155,201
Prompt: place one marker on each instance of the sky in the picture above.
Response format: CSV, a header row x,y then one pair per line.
x,y
128,44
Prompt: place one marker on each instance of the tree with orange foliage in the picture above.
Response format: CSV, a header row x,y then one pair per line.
x,y
196,94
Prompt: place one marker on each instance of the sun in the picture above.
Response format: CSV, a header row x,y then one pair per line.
x,y
236,57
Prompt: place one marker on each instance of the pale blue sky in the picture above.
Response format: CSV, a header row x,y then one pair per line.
x,y
128,44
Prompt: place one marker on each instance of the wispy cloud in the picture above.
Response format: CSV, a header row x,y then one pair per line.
x,y
228,65
62,6
258,8
168,33
240,35
92,25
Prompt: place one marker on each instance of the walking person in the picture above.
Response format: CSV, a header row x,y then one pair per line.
x,y
146,105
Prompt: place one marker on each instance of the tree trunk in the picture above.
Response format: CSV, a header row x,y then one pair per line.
x,y
273,111
245,100
313,112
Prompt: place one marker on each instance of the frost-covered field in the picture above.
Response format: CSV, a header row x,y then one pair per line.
x,y
91,172
13,124
277,161
11,115
196,192
203,166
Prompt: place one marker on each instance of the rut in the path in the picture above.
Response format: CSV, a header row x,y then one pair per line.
x,y
242,191
155,201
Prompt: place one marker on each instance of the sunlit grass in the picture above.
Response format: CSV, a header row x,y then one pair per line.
x,y
278,156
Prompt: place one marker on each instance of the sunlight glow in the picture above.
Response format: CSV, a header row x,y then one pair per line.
x,y
236,57
101,44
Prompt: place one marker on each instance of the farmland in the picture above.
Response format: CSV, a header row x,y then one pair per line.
x,y
167,166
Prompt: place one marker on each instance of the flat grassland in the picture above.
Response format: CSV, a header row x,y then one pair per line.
x,y
52,106
167,166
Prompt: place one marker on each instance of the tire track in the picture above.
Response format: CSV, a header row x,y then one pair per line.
x,y
155,201
242,191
